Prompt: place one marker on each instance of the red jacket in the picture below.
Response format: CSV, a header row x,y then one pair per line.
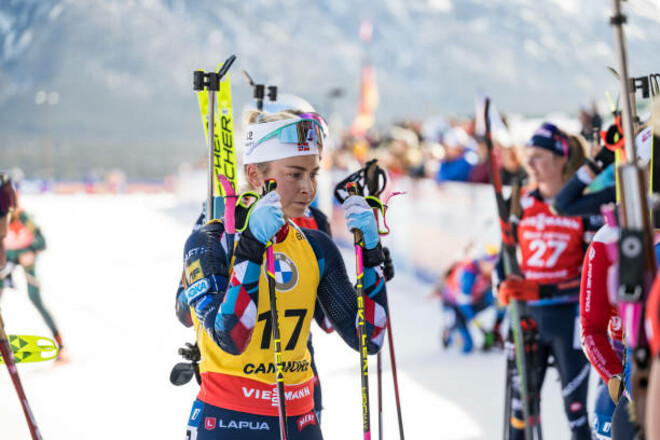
x,y
601,326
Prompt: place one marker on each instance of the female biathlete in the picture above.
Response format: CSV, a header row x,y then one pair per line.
x,y
228,293
552,249
601,326
603,337
23,243
312,218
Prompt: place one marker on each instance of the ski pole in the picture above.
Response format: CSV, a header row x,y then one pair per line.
x,y
395,377
270,185
376,181
379,381
518,309
8,356
351,188
371,176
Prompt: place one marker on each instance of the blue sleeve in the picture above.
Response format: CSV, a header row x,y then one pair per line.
x,y
226,307
604,179
182,308
570,201
181,305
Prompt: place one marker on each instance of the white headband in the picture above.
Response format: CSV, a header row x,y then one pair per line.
x,y
272,149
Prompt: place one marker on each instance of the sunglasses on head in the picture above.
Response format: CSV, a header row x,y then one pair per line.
x,y
302,132
318,118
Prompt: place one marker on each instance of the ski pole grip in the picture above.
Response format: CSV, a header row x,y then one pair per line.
x,y
352,190
268,186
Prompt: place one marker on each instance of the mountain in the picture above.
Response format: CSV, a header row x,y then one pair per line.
x,y
123,68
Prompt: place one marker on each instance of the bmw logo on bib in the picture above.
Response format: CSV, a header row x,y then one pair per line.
x,y
286,272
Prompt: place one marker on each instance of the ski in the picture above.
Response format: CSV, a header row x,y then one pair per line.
x,y
27,348
224,122
8,355
220,132
227,184
24,357
22,343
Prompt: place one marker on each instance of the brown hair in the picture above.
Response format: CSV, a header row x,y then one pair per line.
x,y
577,154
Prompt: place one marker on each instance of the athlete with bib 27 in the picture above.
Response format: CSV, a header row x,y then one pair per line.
x,y
552,249
228,292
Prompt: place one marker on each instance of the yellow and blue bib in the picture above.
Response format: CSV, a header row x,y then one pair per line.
x,y
246,382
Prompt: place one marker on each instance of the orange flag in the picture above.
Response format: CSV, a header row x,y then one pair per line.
x,y
367,103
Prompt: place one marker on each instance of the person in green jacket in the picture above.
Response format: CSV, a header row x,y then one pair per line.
x,y
22,243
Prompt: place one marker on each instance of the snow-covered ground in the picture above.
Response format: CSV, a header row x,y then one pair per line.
x,y
109,276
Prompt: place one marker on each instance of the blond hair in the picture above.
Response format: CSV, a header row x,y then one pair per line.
x,y
577,146
260,117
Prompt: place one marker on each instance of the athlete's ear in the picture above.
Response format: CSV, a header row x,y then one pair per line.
x,y
253,175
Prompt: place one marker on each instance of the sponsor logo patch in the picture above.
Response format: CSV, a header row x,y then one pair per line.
x,y
286,272
271,394
306,420
209,423
242,424
192,252
270,368
198,288
542,221
194,272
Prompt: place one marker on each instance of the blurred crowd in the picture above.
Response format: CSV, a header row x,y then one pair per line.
x,y
445,149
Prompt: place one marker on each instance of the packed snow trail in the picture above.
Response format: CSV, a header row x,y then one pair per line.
x,y
109,276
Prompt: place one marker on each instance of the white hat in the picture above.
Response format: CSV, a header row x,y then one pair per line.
x,y
268,141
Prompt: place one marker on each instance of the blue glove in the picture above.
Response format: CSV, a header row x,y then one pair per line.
x,y
359,215
266,217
